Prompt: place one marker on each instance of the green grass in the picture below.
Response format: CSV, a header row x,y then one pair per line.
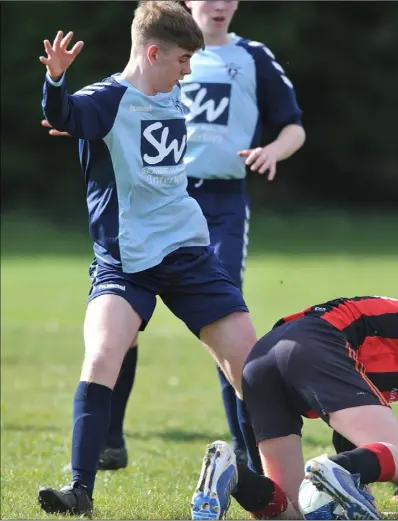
x,y
293,262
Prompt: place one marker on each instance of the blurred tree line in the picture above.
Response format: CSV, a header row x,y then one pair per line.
x,y
341,56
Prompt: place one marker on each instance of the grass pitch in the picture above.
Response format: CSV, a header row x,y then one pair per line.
x,y
175,408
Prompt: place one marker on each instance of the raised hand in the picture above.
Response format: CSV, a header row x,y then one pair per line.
x,y
58,57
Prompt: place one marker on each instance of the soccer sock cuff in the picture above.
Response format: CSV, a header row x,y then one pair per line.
x,y
374,462
385,458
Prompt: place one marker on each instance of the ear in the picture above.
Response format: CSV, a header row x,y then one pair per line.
x,y
153,53
188,4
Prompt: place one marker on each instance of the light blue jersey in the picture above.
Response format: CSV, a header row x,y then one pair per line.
x,y
131,150
232,94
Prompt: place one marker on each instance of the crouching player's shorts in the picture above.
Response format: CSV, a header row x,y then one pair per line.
x,y
302,368
191,282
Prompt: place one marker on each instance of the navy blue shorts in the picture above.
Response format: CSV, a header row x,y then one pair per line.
x,y
225,204
302,368
191,282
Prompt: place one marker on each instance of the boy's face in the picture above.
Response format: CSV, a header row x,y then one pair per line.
x,y
213,16
169,66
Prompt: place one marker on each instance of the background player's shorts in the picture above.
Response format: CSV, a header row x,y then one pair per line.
x,y
191,282
301,366
225,204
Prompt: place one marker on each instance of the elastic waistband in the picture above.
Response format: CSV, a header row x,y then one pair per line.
x,y
216,186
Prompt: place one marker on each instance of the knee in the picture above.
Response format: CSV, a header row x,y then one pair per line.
x,y
101,366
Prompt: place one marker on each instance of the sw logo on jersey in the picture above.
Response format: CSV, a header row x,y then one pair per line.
x,y
207,102
163,143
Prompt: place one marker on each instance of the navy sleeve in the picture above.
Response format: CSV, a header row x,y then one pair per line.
x,y
276,97
88,113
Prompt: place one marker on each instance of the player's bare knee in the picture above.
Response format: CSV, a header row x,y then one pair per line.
x,y
102,367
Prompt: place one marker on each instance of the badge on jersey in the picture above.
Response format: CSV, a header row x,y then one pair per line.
x,y
163,142
207,102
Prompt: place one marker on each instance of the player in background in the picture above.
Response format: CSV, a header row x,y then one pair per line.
x,y
236,90
338,361
150,237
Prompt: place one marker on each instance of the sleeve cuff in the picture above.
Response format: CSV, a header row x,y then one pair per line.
x,y
55,83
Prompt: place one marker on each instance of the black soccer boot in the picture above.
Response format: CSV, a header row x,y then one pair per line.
x,y
113,459
71,499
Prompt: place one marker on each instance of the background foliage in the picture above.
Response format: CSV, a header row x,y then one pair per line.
x,y
341,57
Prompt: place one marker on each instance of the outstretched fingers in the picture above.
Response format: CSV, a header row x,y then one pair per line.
x,y
57,41
76,49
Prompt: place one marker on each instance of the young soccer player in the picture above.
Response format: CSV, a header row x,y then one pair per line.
x,y
235,92
338,361
236,89
150,237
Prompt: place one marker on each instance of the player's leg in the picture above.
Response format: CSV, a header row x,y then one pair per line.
x,y
202,294
229,340
223,204
277,424
337,390
229,401
224,339
110,327
114,454
277,428
374,431
229,234
223,476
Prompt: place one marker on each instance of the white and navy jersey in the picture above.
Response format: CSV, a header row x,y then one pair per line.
x,y
233,93
132,148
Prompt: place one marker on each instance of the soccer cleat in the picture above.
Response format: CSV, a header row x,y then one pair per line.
x,y
71,499
113,459
110,459
218,479
342,486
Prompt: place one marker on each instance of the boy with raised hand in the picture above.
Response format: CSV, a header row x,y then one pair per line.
x,y
150,237
236,89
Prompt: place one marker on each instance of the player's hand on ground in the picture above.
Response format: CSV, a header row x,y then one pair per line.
x,y
261,159
59,58
53,131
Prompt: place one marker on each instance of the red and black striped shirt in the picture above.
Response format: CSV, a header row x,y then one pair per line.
x,y
370,325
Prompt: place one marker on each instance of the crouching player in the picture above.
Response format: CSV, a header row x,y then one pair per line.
x,y
337,361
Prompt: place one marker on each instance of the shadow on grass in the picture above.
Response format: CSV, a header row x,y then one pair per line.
x,y
175,435
312,232
17,427
179,435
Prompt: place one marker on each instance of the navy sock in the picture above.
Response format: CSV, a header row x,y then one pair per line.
x,y
254,460
120,396
91,412
229,400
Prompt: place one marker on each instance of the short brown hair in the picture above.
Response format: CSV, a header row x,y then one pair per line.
x,y
168,22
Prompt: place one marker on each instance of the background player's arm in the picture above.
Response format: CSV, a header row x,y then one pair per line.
x,y
80,115
279,111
